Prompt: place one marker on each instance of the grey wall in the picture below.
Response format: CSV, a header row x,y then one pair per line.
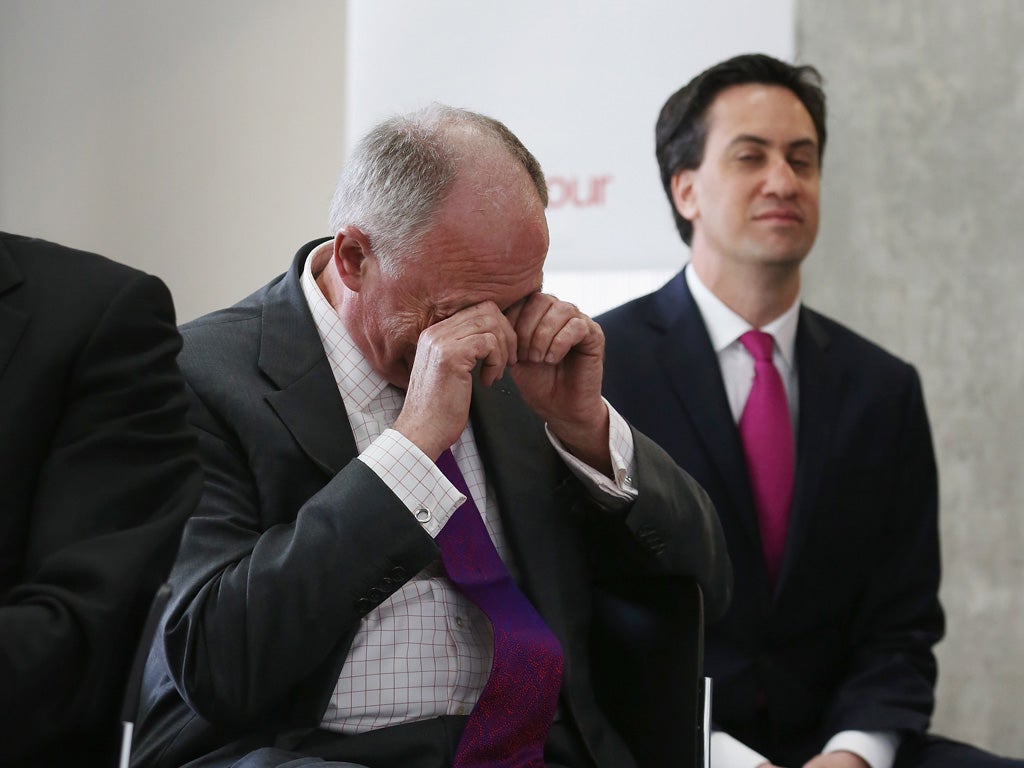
x,y
921,249
196,140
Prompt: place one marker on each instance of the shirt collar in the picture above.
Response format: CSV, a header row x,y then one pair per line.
x,y
357,382
725,327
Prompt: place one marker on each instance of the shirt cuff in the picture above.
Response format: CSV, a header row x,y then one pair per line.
x,y
876,748
619,491
414,479
729,752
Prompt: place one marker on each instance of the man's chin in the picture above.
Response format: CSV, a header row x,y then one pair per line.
x,y
782,257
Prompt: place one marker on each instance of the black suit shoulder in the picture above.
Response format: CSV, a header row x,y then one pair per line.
x,y
622,321
634,331
37,256
862,356
67,292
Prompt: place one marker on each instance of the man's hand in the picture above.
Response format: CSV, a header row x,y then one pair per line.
x,y
837,760
440,385
560,363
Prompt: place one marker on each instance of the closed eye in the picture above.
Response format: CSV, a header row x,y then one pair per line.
x,y
803,164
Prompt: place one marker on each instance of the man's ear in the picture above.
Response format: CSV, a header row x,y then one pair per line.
x,y
352,257
684,193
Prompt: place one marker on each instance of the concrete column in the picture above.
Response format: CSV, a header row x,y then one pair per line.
x,y
922,250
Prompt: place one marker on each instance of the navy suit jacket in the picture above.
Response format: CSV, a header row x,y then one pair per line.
x,y
844,640
294,541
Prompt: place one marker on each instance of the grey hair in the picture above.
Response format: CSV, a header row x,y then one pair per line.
x,y
401,172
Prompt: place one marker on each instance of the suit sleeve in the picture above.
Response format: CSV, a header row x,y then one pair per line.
x,y
264,610
674,529
890,679
118,482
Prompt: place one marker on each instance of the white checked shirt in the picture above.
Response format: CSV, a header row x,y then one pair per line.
x,y
427,650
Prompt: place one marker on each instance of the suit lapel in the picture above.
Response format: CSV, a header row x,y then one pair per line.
x,y
820,393
529,482
12,321
293,357
695,376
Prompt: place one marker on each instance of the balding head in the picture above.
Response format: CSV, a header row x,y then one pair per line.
x,y
404,169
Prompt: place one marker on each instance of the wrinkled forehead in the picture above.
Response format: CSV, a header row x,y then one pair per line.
x,y
489,239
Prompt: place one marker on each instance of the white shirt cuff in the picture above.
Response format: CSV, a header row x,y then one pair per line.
x,y
876,748
414,479
620,446
729,752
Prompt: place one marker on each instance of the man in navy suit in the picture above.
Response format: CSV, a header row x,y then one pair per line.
x,y
825,656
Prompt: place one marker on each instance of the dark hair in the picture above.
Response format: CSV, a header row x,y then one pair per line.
x,y
682,127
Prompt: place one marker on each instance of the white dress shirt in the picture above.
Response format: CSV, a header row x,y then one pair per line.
x,y
425,651
877,748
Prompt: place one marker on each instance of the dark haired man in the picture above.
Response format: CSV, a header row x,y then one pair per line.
x,y
320,611
813,443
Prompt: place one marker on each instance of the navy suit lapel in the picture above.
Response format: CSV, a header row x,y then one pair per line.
x,y
820,393
694,374
293,357
12,321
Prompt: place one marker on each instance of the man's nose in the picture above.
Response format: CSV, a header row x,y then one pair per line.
x,y
781,179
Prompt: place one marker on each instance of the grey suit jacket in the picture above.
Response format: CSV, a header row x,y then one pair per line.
x,y
294,541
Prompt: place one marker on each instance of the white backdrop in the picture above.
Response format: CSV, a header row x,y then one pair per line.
x,y
581,83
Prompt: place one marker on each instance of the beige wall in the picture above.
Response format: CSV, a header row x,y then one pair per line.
x,y
197,140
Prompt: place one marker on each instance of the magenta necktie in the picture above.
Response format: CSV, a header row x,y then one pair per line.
x,y
767,434
510,722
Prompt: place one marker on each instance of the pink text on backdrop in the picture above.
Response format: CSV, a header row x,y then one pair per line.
x,y
568,191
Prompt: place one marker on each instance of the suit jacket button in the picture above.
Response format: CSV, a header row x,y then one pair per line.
x,y
364,605
651,539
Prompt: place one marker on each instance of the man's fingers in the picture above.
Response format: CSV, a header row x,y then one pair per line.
x,y
460,353
478,319
534,314
547,329
569,336
494,355
440,384
476,333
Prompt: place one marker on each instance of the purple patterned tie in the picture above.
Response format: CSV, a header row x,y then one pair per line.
x,y
767,434
510,722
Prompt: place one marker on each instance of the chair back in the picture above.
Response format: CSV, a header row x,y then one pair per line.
x,y
132,690
648,664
